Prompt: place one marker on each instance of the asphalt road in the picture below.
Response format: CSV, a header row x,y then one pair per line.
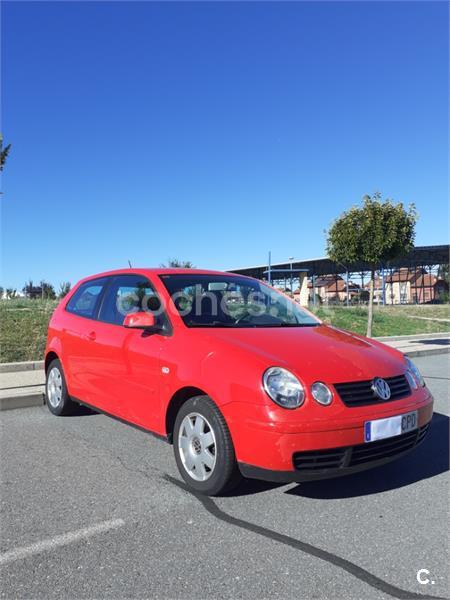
x,y
92,508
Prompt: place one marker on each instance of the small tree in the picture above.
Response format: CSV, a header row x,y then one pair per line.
x,y
3,152
11,293
174,263
375,233
29,289
64,289
443,272
48,291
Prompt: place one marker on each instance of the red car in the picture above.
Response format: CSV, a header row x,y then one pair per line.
x,y
239,378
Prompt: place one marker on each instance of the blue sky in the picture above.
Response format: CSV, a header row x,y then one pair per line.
x,y
213,131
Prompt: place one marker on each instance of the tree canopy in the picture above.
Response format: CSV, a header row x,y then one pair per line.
x,y
44,290
3,152
375,232
174,263
64,289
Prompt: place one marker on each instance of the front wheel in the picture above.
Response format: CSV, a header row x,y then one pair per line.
x,y
203,447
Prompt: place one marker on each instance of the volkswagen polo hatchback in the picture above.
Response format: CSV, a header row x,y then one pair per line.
x,y
238,377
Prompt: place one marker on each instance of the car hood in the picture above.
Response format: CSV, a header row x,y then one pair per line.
x,y
314,353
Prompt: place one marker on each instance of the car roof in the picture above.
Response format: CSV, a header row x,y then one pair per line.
x,y
160,271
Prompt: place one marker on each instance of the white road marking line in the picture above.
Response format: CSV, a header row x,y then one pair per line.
x,y
59,540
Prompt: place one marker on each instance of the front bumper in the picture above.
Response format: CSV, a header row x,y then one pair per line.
x,y
337,462
265,448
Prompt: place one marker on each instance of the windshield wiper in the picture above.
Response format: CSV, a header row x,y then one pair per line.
x,y
211,324
289,325
248,324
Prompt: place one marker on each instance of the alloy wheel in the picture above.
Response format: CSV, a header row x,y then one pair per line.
x,y
197,446
54,387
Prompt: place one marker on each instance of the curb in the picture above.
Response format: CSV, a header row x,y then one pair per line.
x,y
29,365
426,336
427,352
26,400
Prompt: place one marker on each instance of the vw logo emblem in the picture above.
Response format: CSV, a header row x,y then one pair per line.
x,y
381,388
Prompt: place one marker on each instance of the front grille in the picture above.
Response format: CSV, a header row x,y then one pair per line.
x,y
319,461
360,393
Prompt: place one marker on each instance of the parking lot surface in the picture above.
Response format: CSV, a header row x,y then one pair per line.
x,y
92,508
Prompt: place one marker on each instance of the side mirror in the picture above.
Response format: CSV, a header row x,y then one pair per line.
x,y
140,320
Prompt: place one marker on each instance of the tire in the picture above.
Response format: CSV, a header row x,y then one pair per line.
x,y
203,448
56,396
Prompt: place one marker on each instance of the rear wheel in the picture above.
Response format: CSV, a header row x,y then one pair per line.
x,y
203,447
57,398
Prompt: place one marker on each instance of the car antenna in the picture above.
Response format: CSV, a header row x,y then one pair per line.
x,y
129,263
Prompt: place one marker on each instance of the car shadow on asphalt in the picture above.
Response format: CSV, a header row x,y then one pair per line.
x,y
428,460
249,487
84,411
436,342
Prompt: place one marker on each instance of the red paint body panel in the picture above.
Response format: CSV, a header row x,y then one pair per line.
x,y
134,376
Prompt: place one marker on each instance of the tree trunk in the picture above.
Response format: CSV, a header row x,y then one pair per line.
x,y
370,311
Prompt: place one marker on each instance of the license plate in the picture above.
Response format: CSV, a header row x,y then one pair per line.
x,y
390,427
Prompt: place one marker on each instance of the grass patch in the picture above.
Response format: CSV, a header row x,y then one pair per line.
x,y
388,320
23,327
431,311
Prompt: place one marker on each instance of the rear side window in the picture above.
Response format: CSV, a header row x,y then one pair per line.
x,y
85,301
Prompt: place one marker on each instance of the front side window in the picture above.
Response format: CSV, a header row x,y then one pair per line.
x,y
85,300
232,301
128,294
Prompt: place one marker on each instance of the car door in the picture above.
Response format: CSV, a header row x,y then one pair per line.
x,y
130,357
79,351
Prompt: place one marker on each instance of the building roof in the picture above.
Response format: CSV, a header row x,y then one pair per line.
x,y
338,285
326,281
425,280
416,279
403,274
419,256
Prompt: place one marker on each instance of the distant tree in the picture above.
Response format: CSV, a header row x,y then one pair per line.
x,y
375,232
443,272
3,152
362,297
1,291
48,291
315,298
44,290
30,290
11,293
174,263
64,289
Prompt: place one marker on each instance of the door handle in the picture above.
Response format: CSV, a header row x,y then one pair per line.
x,y
91,336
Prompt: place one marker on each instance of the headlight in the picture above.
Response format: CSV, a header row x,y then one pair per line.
x,y
415,371
283,387
321,393
411,380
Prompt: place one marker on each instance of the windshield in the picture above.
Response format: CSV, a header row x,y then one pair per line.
x,y
233,301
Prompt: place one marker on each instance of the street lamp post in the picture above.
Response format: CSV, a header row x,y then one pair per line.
x,y
270,268
291,258
346,282
346,286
